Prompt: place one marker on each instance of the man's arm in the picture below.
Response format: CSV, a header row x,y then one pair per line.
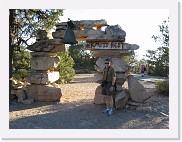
x,y
113,80
113,77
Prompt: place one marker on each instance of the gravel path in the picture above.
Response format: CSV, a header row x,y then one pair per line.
x,y
77,110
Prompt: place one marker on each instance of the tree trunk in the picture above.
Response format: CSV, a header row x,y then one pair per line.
x,y
12,15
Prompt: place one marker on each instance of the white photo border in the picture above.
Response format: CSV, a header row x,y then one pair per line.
x,y
171,133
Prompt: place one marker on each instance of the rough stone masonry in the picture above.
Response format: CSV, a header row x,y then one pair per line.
x,y
107,43
103,43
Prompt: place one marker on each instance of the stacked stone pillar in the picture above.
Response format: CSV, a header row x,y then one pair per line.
x,y
43,62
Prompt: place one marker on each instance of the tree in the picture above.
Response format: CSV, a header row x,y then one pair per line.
x,y
65,67
132,62
23,25
83,59
21,64
158,60
163,38
131,59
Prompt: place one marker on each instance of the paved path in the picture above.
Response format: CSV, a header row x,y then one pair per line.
x,y
149,78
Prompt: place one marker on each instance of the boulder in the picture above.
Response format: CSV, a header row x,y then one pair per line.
x,y
12,97
99,98
89,24
118,64
20,100
49,45
79,34
137,90
39,77
130,102
121,78
83,24
28,101
127,46
115,32
42,93
85,31
121,99
119,87
44,63
38,54
98,77
106,37
20,94
144,108
13,91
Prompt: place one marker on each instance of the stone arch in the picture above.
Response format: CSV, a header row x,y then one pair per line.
x,y
103,44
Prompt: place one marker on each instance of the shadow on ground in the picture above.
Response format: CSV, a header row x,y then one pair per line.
x,y
79,115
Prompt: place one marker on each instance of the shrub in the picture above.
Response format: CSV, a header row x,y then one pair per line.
x,y
21,64
162,87
20,75
82,71
65,68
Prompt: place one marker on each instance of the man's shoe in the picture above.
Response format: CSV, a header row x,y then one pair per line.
x,y
110,112
105,111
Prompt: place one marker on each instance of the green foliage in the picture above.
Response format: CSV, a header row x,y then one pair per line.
x,y
164,37
84,61
137,65
21,59
162,87
65,67
158,60
23,26
28,21
131,60
82,71
21,64
20,75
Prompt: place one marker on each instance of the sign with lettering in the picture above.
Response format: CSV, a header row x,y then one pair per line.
x,y
103,45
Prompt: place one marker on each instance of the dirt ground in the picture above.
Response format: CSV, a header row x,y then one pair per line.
x,y
76,110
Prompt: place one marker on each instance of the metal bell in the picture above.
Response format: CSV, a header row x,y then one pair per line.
x,y
69,37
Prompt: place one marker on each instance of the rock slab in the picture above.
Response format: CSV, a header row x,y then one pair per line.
x,y
137,90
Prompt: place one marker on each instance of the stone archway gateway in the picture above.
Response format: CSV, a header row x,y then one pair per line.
x,y
103,44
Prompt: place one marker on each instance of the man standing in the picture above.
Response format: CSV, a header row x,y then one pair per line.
x,y
142,70
108,83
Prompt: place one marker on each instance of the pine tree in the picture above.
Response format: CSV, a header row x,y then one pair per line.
x,y
65,67
158,60
23,25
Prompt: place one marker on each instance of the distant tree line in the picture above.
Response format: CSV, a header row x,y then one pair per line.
x,y
84,61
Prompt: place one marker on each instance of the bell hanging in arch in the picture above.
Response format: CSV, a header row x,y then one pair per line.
x,y
69,37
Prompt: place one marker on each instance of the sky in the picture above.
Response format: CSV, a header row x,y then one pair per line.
x,y
139,24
